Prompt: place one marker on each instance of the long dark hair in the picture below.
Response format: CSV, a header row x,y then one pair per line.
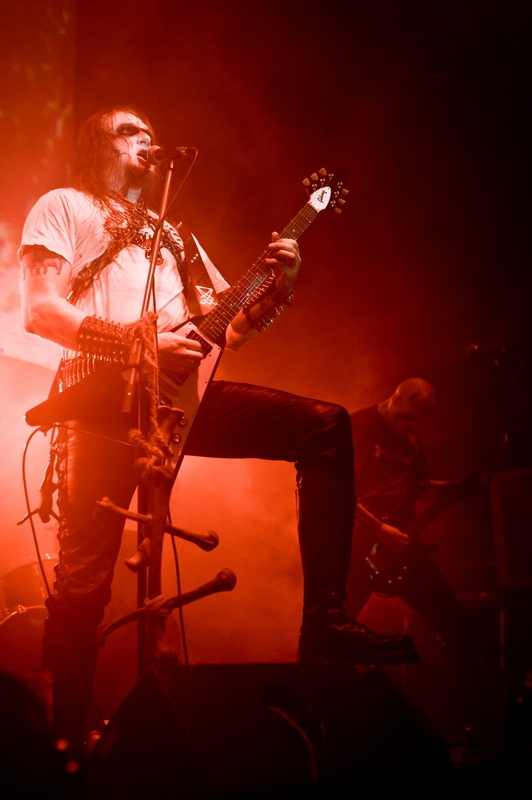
x,y
95,154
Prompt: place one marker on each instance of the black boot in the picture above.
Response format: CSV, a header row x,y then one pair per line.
x,y
333,636
72,669
325,527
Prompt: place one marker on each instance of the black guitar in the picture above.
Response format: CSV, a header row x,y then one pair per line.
x,y
385,567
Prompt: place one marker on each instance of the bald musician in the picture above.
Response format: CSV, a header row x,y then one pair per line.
x,y
391,475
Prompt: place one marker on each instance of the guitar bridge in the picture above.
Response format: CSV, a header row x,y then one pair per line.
x,y
169,385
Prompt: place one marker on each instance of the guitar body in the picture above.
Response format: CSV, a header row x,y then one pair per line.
x,y
185,391
387,569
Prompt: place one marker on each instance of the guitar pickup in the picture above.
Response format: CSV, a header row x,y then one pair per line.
x,y
206,346
170,379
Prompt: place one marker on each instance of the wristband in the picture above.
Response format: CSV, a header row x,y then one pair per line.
x,y
264,308
106,341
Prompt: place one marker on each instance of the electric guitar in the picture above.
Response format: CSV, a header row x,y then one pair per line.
x,y
185,391
386,568
93,392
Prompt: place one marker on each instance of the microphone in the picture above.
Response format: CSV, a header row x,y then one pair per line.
x,y
474,350
156,155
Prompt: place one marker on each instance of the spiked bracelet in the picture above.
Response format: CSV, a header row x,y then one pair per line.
x,y
106,341
264,308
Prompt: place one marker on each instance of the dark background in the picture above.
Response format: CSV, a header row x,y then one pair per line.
x,y
427,105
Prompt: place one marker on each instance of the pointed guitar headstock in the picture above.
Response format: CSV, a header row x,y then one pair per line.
x,y
326,189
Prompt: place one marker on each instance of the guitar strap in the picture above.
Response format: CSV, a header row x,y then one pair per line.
x,y
201,294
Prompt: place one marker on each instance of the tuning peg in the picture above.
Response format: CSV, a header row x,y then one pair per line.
x,y
340,201
337,210
345,192
306,182
323,171
314,176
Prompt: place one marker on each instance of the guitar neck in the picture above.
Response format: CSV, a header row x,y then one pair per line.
x,y
428,515
216,321
464,488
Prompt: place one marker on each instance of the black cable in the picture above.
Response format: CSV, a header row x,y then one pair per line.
x,y
29,516
179,591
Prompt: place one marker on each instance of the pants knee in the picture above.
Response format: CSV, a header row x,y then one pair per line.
x,y
328,449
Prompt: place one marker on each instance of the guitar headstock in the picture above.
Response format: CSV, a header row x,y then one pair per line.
x,y
326,189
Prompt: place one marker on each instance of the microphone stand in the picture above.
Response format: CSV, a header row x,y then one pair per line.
x,y
154,499
154,531
134,357
153,493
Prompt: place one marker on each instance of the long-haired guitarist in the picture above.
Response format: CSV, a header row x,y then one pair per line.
x,y
85,254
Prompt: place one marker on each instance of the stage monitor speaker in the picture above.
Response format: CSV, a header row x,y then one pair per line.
x,y
265,730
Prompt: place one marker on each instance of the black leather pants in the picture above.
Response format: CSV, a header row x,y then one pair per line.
x,y
235,420
245,421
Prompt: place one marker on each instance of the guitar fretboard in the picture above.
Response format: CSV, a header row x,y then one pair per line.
x,y
214,324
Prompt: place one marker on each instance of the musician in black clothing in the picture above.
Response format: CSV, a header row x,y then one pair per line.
x,y
85,253
391,475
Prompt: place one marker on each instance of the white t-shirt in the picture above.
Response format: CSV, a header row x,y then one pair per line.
x,y
68,222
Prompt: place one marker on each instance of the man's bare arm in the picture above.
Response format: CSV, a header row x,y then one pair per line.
x,y
45,309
